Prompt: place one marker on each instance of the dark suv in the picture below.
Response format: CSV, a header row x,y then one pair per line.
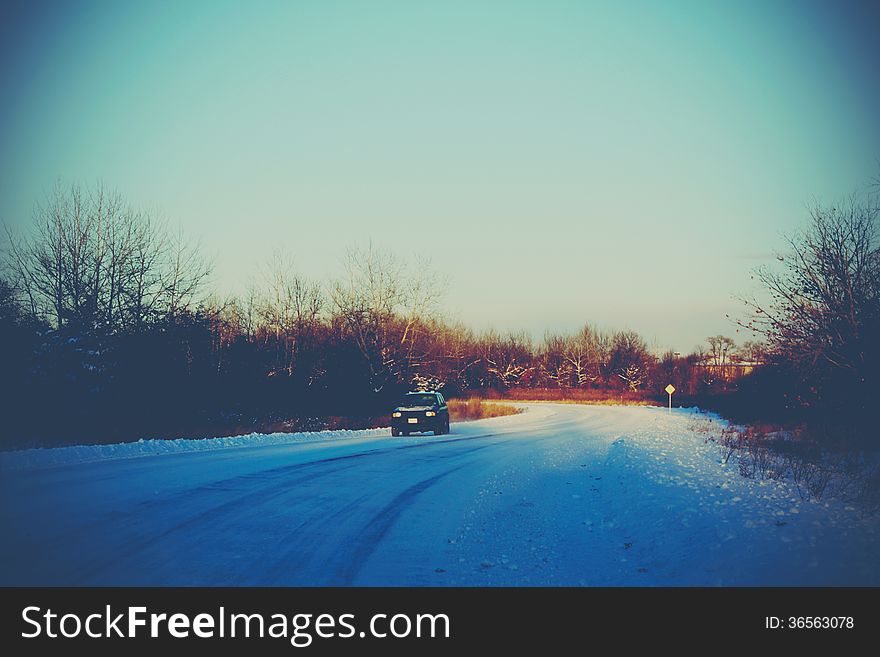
x,y
420,411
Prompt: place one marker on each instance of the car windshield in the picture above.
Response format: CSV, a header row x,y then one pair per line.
x,y
419,400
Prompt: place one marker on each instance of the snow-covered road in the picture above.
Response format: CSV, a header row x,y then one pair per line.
x,y
560,495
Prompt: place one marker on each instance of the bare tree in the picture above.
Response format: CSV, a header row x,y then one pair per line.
x,y
751,351
39,262
143,277
555,360
290,310
508,358
383,304
224,317
184,274
719,355
587,352
823,316
456,344
629,359
93,261
422,290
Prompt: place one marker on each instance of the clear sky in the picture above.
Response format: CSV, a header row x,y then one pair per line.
x,y
620,163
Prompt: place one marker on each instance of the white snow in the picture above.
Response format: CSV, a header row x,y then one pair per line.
x,y
560,495
40,457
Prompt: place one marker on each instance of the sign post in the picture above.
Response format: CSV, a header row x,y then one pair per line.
x,y
670,389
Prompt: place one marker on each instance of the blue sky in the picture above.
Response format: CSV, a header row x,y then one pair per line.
x,y
625,164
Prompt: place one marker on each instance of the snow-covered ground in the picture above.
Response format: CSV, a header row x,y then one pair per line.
x,y
560,495
30,458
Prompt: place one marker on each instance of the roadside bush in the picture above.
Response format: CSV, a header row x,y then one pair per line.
x,y
801,456
461,410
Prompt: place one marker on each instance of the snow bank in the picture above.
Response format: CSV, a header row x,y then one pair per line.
x,y
32,458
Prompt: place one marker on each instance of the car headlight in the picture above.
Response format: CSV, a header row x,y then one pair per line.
x,y
430,414
396,414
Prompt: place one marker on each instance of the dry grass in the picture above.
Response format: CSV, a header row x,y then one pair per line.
x,y
610,401
579,396
461,410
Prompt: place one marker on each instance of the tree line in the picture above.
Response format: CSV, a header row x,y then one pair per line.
x,y
111,332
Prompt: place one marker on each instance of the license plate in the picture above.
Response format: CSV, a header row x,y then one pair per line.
x,y
413,420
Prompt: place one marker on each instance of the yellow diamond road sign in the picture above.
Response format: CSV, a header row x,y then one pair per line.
x,y
670,388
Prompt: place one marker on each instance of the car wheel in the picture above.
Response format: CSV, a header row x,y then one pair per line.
x,y
395,432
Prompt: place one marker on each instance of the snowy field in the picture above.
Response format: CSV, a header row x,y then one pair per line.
x,y
559,495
